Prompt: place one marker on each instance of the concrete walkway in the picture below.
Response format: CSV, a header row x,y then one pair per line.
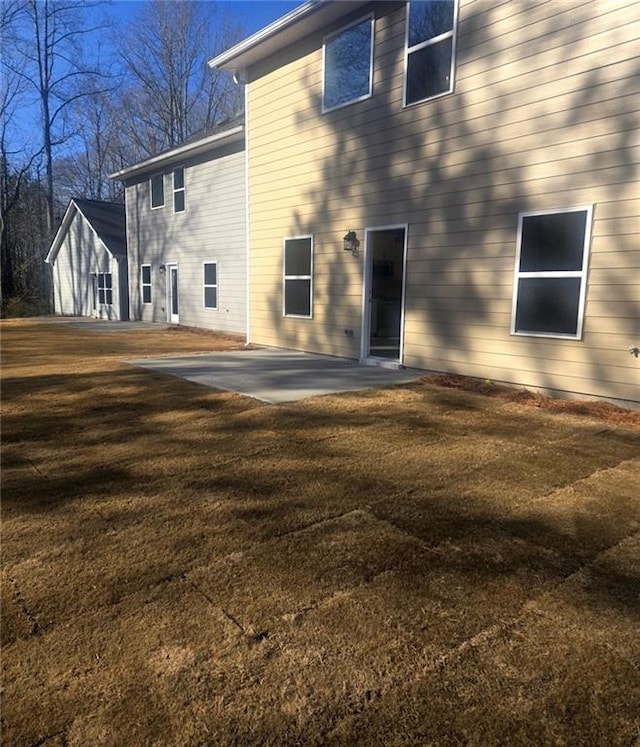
x,y
276,376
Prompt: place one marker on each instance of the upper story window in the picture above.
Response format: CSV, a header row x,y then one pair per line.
x,y
348,64
551,273
157,191
178,190
430,49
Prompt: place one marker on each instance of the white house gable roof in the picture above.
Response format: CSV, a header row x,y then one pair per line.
x,y
105,219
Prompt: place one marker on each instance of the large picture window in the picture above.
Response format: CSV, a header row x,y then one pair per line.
x,y
298,271
145,283
348,62
550,273
157,191
105,289
211,285
178,190
430,49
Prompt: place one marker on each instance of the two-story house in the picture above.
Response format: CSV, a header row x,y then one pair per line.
x,y
450,185
186,232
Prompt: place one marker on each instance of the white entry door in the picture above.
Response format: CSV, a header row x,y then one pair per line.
x,y
172,294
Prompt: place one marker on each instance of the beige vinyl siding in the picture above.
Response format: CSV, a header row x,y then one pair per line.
x,y
211,229
543,117
81,254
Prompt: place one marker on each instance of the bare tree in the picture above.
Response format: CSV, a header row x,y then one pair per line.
x,y
49,58
16,159
97,149
171,92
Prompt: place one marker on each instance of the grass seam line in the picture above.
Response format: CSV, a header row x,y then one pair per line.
x,y
20,601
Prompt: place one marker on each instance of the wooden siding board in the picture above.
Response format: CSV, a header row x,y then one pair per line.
x,y
557,110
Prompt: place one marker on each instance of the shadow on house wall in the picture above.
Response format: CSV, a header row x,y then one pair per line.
x,y
540,119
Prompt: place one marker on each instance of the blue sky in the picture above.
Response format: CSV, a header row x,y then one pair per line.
x,y
258,13
254,14
250,14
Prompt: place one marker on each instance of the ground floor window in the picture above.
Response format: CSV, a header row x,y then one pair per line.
x,y
105,288
145,283
211,285
297,264
550,273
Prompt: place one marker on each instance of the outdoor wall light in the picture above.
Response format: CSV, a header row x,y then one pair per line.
x,y
350,242
162,269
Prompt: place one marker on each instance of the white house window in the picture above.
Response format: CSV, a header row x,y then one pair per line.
x,y
105,291
145,283
348,63
430,55
178,190
157,191
211,285
551,271
298,262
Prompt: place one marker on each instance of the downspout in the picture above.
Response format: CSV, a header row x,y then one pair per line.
x,y
246,207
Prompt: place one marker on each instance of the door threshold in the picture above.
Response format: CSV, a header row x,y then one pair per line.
x,y
394,365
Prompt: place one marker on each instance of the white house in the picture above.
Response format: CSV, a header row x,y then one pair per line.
x,y
88,256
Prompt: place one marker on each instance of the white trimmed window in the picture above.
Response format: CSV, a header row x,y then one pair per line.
x,y
297,281
157,191
178,190
348,65
145,283
210,285
430,51
105,288
551,272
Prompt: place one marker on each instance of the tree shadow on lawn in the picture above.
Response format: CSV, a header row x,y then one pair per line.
x,y
438,464
393,508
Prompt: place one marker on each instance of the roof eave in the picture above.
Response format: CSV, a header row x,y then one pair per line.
x,y
223,60
288,29
179,152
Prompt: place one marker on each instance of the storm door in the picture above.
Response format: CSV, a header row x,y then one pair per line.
x,y
172,294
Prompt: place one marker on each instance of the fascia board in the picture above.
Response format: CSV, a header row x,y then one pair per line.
x,y
69,214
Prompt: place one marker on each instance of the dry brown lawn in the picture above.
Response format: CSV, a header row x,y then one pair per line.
x,y
418,565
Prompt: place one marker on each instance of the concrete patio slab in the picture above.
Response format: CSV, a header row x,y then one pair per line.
x,y
276,376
